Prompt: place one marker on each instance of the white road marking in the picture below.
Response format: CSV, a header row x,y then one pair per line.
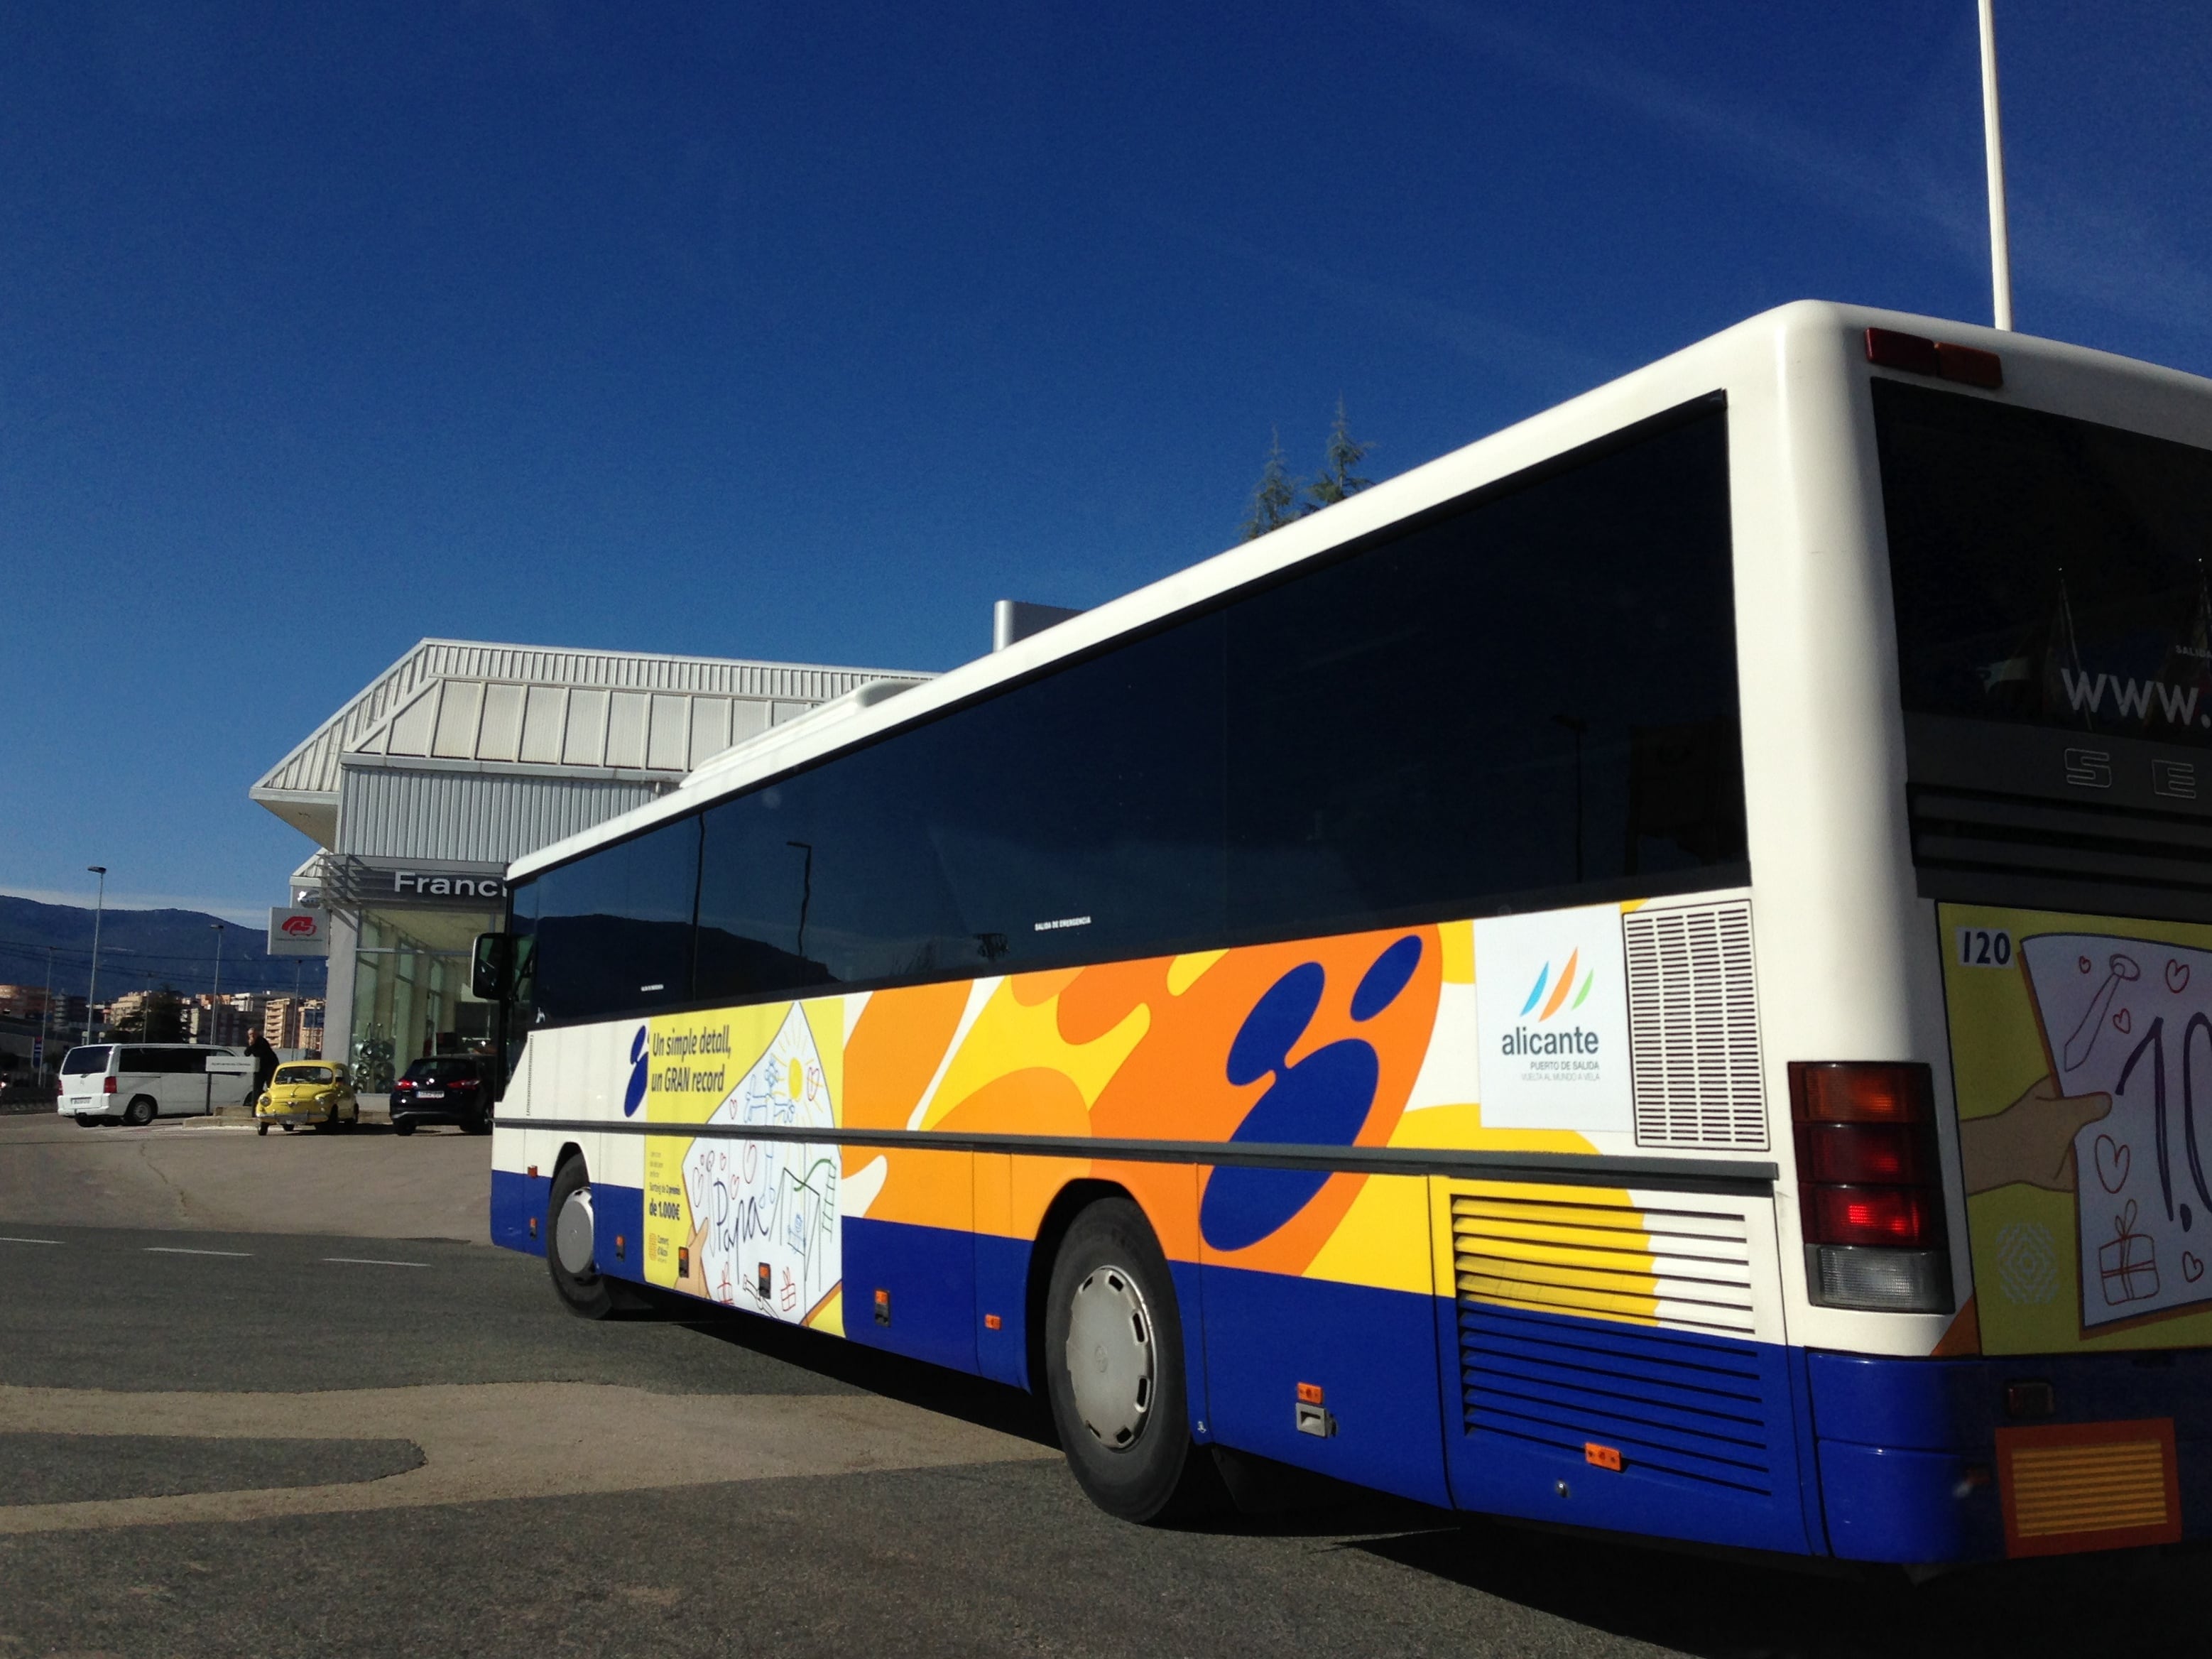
x,y
179,1249
6,1239
373,1261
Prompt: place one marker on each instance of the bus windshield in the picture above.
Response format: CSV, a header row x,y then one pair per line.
x,y
2046,571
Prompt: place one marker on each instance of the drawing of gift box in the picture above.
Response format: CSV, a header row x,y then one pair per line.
x,y
2128,1267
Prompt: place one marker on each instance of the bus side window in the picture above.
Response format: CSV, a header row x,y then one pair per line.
x,y
613,931
1533,694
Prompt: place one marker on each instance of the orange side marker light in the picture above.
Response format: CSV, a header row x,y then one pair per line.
x,y
992,1322
1310,1393
1605,1457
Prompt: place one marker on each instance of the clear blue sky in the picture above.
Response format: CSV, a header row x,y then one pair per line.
x,y
806,333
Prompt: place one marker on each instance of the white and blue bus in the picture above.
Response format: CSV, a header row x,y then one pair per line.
x,y
1646,975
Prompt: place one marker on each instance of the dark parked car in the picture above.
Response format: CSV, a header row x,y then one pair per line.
x,y
448,1089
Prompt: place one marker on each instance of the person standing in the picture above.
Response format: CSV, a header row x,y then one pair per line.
x,y
264,1067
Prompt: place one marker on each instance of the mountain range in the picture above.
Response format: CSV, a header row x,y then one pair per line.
x,y
167,949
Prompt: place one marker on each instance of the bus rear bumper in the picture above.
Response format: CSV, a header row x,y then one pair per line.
x,y
1909,1454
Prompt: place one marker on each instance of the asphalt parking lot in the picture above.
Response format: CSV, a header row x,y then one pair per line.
x,y
217,1173
346,1427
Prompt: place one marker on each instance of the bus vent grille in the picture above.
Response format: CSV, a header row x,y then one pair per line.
x,y
1587,1319
1693,1027
1694,1409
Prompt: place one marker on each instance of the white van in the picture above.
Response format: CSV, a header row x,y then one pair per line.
x,y
136,1083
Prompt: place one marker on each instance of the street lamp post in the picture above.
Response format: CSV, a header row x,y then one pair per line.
x,y
92,984
1578,727
805,890
215,1003
46,1016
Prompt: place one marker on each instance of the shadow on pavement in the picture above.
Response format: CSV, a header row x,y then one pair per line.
x,y
2134,1602
2141,1603
913,1381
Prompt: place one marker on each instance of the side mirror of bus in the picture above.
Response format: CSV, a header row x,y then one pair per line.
x,y
495,960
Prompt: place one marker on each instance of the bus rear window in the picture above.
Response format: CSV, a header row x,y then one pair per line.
x,y
82,1062
2047,571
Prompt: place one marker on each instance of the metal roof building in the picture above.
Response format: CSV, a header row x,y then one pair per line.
x,y
462,756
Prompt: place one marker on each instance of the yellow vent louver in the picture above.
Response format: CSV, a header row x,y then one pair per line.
x,y
1684,1265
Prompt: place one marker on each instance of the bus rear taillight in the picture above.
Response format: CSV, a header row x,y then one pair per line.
x,y
1968,365
1890,1216
107,1086
1870,1194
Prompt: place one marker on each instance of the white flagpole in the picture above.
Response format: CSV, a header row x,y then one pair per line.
x,y
1993,143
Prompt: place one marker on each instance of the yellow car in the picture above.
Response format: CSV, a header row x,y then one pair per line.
x,y
308,1091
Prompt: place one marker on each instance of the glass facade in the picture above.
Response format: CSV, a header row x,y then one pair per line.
x,y
410,992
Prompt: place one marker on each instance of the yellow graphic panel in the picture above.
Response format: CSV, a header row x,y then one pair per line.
x,y
749,1223
1015,1034
2079,1045
1382,1242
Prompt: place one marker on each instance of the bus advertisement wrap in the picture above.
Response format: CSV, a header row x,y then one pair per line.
x,y
1322,1043
2075,1044
750,1223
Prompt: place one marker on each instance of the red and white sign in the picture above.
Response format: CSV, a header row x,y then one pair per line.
x,y
298,933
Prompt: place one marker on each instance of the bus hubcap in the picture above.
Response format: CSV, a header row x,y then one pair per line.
x,y
571,1233
1110,1356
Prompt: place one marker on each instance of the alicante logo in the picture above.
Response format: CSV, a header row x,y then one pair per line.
x,y
1572,1040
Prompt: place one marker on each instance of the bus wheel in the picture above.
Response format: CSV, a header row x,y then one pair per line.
x,y
583,1290
1114,1367
139,1112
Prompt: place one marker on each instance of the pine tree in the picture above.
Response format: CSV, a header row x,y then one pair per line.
x,y
1275,497
1337,479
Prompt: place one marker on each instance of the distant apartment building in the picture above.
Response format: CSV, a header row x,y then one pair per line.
x,y
127,1014
32,1001
227,1024
294,1023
